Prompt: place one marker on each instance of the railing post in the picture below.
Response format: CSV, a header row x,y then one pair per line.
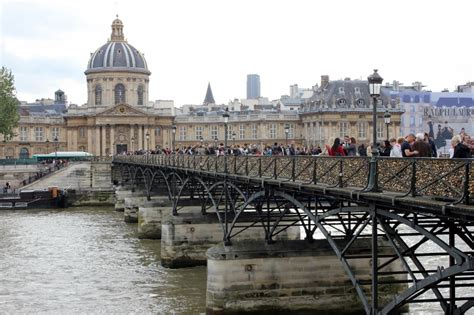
x,y
413,179
293,168
246,165
467,194
275,168
315,164
260,167
341,168
235,165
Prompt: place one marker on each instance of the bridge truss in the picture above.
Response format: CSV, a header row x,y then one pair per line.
x,y
423,214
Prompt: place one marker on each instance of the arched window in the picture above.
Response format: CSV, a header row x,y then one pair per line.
x,y
119,93
140,95
24,153
98,95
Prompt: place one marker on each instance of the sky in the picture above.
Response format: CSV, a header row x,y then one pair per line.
x,y
188,43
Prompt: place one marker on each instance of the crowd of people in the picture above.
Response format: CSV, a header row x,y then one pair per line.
x,y
419,145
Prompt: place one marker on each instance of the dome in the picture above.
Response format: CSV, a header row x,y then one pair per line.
x,y
117,54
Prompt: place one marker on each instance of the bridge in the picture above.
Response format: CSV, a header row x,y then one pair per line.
x,y
417,225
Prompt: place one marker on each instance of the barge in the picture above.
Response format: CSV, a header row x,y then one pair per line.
x,y
52,197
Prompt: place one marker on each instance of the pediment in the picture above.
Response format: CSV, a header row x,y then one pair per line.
x,y
122,110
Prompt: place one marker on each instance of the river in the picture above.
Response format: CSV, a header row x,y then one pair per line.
x,y
84,260
88,261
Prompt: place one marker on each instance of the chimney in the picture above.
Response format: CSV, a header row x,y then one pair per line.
x,y
324,81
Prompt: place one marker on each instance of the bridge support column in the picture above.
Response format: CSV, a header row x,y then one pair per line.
x,y
287,277
133,204
186,238
149,219
121,193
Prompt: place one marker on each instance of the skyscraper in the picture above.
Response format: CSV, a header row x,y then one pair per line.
x,y
253,86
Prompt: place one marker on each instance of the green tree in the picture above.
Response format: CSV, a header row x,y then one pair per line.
x,y
8,104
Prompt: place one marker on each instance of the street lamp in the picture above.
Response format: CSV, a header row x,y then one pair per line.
x,y
147,137
386,118
56,143
287,131
173,130
375,84
226,122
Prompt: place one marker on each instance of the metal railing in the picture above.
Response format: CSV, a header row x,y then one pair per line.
x,y
440,179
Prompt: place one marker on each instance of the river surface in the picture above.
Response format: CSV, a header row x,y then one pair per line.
x,y
88,261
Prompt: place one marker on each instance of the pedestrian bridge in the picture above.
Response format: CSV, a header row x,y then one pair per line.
x,y
422,208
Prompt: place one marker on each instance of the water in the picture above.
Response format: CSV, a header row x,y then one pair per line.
x,y
88,261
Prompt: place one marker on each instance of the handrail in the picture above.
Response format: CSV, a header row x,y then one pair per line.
x,y
440,178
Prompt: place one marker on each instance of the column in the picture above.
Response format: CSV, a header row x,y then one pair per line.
x,y
104,139
69,140
152,137
89,140
112,139
97,141
132,136
140,137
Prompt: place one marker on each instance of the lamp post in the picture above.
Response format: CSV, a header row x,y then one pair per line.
x,y
386,118
375,84
226,122
173,130
56,145
147,137
287,131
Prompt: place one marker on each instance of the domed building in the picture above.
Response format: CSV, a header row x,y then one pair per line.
x,y
117,116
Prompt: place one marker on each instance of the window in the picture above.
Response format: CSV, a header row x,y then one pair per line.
x,y
182,133
341,90
214,132
357,90
98,95
55,133
254,131
23,133
272,131
158,131
198,132
82,132
39,133
119,93
362,129
242,131
230,131
412,121
291,131
412,108
343,128
380,125
140,95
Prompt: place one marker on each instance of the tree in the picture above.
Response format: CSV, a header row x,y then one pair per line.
x,y
9,116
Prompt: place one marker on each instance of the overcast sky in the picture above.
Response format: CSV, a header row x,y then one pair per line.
x,y
188,43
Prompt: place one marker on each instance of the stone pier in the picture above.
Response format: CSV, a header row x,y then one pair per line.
x,y
287,277
150,217
186,238
123,192
133,204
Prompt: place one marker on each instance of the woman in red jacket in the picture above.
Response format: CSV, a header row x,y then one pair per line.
x,y
336,149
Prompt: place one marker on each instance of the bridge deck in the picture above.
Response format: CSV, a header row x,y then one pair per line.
x,y
440,186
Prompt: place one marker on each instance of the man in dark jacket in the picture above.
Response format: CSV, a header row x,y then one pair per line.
x,y
461,151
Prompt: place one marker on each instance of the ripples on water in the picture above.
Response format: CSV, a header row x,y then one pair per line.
x,y
88,261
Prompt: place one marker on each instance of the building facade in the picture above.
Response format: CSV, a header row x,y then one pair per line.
x,y
344,108
253,86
